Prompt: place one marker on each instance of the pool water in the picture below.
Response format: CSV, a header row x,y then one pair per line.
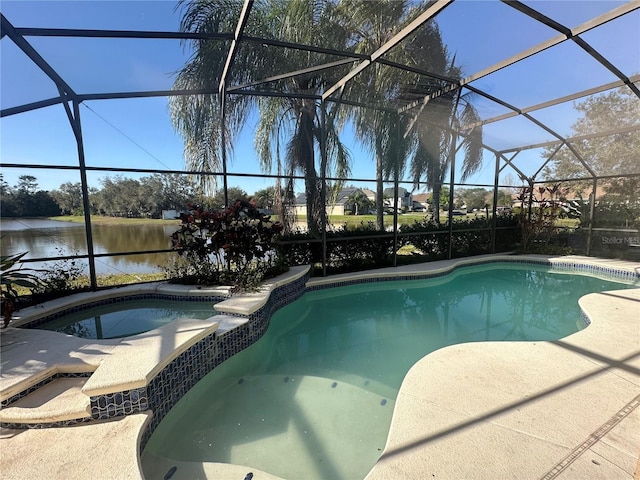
x,y
314,397
127,318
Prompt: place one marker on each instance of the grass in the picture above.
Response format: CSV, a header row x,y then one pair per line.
x,y
403,219
102,220
352,221
110,280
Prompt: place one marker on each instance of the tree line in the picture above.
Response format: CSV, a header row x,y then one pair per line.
x,y
148,196
119,196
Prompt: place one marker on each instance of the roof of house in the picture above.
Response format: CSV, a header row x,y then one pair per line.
x,y
402,192
371,195
421,197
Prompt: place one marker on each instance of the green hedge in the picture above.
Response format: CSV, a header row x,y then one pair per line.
x,y
365,247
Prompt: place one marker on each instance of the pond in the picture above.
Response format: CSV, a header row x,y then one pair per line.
x,y
41,238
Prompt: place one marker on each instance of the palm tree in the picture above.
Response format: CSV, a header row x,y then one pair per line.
x,y
359,201
197,118
296,121
371,23
304,125
432,145
439,128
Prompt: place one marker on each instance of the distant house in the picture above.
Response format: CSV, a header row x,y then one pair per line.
x,y
370,194
337,207
404,200
421,201
170,214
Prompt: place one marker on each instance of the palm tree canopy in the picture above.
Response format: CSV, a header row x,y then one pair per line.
x,y
296,134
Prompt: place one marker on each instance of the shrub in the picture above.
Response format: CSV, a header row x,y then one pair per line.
x,y
228,246
469,237
365,247
369,248
538,226
14,276
67,276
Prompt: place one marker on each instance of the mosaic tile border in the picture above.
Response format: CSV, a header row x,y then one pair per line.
x,y
578,267
33,388
35,323
173,382
39,426
170,385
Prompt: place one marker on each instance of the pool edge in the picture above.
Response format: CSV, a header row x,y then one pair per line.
x,y
600,263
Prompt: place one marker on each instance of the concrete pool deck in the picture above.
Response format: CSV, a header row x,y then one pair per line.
x,y
565,409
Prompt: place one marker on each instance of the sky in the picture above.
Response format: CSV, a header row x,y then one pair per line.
x,y
137,133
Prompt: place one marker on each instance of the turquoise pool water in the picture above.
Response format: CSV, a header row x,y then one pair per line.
x,y
314,397
127,318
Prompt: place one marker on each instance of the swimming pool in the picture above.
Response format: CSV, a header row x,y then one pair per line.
x,y
126,318
314,397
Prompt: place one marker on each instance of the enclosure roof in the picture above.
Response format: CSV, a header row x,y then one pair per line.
x,y
523,63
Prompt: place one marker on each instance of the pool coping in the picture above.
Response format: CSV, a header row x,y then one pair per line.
x,y
106,362
605,266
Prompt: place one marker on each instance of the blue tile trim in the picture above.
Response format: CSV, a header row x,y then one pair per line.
x,y
170,385
33,388
119,403
35,323
584,318
610,273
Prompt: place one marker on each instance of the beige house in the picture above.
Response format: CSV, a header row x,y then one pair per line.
x,y
337,207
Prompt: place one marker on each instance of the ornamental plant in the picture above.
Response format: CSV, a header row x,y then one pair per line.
x,y
12,276
538,223
233,246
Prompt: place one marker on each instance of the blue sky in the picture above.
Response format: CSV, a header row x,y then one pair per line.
x,y
137,133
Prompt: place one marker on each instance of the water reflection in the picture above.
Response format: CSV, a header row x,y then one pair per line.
x,y
46,238
128,318
332,360
329,333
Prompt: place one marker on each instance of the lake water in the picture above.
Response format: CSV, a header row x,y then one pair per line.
x,y
49,238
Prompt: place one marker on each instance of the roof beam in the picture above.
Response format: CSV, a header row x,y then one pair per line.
x,y
429,13
88,33
233,49
27,107
295,73
302,47
546,162
570,34
558,101
133,34
35,57
419,71
591,24
616,131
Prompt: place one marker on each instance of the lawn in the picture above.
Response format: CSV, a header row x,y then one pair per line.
x,y
403,219
336,220
102,220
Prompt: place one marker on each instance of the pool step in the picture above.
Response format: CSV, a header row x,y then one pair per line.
x,y
57,401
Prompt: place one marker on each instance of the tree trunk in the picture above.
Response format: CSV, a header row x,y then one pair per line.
x,y
379,194
311,183
435,203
